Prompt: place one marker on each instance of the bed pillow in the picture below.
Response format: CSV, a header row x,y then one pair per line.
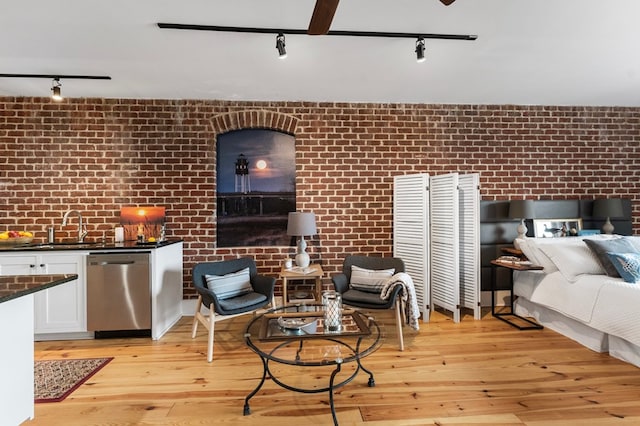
x,y
628,265
230,285
532,249
573,260
635,240
601,247
369,280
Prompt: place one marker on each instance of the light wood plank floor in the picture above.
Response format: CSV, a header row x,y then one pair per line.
x,y
474,372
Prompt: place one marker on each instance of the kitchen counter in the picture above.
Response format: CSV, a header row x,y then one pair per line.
x,y
61,312
16,334
92,246
14,286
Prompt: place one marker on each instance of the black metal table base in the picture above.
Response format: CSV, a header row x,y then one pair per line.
x,y
332,385
506,316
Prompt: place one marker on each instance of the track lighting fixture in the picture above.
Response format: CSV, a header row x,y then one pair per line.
x,y
56,94
280,45
420,49
56,91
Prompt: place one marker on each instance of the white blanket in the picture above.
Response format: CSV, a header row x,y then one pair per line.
x,y
576,300
407,295
604,303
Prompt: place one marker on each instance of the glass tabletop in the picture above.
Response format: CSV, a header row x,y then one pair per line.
x,y
296,335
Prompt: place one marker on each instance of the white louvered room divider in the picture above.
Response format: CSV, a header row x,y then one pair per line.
x,y
411,232
469,196
437,234
444,231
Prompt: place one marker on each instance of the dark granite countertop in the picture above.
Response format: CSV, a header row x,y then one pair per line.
x,y
92,246
14,286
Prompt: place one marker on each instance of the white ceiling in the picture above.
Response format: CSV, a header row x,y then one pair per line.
x,y
544,52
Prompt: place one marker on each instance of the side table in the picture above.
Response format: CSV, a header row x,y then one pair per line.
x,y
504,316
296,273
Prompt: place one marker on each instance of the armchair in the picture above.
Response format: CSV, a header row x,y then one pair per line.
x,y
228,288
369,298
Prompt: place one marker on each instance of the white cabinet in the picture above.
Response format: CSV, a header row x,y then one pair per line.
x,y
60,309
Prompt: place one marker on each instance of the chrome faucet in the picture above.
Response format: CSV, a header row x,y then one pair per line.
x,y
82,229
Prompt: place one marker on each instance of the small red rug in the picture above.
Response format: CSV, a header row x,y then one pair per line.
x,y
54,380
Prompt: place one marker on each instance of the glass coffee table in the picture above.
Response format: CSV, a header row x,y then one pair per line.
x,y
295,335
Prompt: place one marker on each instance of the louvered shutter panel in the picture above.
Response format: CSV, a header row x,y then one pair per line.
x,y
469,195
411,233
444,216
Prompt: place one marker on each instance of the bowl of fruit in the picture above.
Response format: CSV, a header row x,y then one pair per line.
x,y
15,238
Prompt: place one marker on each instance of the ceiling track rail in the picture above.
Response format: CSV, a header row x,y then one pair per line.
x,y
377,34
59,76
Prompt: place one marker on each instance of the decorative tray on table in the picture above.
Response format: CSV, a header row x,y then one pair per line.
x,y
283,326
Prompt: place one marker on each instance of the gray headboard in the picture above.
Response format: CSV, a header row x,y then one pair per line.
x,y
497,230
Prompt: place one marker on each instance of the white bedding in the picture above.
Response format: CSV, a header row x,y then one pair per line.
x,y
604,303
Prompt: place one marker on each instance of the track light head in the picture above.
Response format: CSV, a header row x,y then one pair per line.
x,y
280,45
56,93
420,50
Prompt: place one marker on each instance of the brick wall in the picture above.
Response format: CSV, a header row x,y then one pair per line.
x,y
97,155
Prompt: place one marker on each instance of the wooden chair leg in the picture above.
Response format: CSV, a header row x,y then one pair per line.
x,y
399,324
211,327
194,328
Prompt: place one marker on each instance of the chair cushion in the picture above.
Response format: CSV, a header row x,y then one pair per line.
x,y
242,301
230,285
370,280
363,298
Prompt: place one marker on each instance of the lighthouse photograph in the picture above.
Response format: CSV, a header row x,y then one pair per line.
x,y
255,187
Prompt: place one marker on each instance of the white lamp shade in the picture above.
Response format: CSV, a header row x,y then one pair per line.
x,y
301,224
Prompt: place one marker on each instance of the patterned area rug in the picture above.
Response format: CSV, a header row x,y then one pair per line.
x,y
54,380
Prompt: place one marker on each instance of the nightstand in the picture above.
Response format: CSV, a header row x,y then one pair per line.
x,y
296,273
512,251
506,316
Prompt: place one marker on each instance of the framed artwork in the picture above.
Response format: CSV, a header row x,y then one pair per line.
x,y
142,220
255,181
553,228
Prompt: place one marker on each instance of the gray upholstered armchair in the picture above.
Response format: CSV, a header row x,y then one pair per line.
x,y
228,288
365,296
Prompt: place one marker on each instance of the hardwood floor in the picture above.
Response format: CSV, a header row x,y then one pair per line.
x,y
474,372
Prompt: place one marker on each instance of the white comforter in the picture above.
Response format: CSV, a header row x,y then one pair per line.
x,y
601,302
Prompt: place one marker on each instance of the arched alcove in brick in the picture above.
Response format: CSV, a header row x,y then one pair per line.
x,y
254,119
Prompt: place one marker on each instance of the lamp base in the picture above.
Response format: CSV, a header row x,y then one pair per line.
x,y
302,260
607,228
522,234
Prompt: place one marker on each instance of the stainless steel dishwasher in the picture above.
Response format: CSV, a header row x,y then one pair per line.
x,y
118,294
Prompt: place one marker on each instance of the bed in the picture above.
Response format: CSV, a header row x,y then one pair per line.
x,y
579,295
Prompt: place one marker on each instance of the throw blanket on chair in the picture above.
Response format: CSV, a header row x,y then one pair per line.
x,y
407,295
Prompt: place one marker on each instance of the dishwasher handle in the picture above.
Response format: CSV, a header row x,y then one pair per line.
x,y
114,262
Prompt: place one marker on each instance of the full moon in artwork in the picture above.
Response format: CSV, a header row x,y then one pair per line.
x,y
261,165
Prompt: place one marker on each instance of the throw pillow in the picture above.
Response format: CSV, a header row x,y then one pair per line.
x,y
573,260
369,280
230,285
601,247
628,265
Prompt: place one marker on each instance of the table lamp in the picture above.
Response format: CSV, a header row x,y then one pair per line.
x,y
301,224
521,209
608,207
